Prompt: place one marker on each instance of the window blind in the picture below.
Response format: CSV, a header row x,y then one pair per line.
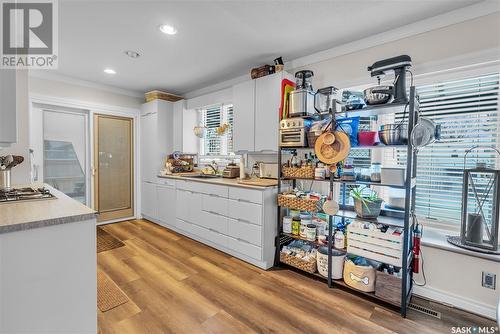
x,y
467,111
212,118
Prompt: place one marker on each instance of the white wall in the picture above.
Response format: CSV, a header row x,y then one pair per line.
x,y
21,173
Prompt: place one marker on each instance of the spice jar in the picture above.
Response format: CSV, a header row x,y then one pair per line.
x,y
303,228
375,170
311,232
319,173
295,226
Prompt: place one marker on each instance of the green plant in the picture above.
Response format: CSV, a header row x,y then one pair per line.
x,y
360,194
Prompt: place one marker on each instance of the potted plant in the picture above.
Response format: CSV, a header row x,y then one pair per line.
x,y
367,204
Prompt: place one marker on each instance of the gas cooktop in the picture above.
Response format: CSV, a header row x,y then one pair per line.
x,y
25,194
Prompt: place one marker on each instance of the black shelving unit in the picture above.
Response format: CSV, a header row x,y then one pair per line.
x,y
346,212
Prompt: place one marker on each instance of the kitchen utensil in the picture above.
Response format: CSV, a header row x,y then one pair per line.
x,y
367,138
378,94
302,98
17,159
331,154
394,134
355,102
5,179
287,87
392,176
325,100
425,132
293,132
7,160
328,138
399,65
330,206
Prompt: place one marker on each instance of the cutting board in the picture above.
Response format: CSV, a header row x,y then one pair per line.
x,y
259,182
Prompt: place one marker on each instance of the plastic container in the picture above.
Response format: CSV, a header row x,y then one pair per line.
x,y
287,224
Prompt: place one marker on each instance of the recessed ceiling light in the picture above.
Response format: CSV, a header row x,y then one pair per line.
x,y
109,71
132,54
168,29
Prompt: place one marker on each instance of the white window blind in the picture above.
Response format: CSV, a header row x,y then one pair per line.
x,y
467,111
212,118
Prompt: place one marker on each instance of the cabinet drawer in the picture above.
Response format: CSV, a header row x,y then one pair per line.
x,y
167,182
214,222
204,188
214,204
245,211
204,233
241,230
244,248
245,195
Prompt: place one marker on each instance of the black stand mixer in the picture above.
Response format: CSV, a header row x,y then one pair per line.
x,y
399,65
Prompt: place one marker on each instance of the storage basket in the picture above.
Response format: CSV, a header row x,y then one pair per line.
x,y
308,266
311,138
159,95
388,287
296,203
298,172
375,245
359,277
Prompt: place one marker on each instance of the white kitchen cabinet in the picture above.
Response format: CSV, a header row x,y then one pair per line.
x,y
157,137
166,196
256,106
149,201
8,112
244,116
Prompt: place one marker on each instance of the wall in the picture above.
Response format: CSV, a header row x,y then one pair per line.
x,y
21,173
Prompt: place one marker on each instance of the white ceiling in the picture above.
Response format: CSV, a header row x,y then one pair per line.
x,y
216,40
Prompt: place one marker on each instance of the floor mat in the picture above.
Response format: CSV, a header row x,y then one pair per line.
x,y
109,295
106,241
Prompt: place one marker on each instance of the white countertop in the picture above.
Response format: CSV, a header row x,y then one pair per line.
x,y
23,215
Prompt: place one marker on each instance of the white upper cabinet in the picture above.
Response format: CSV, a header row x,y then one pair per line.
x,y
157,137
256,113
244,116
8,124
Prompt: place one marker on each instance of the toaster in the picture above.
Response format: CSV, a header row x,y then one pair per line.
x,y
268,170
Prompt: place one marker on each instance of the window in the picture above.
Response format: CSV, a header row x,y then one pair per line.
x,y
467,111
212,118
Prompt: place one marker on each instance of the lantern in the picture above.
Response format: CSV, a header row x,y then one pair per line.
x,y
480,207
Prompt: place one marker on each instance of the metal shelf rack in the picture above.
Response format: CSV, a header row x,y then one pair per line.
x,y
346,212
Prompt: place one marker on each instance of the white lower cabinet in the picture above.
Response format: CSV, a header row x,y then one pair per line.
x,y
166,196
149,200
238,221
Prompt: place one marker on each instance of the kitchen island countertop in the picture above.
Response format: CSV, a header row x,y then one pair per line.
x,y
19,216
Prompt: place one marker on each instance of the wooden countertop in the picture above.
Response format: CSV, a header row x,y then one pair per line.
x,y
24,215
255,183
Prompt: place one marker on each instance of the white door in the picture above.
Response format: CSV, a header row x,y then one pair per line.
x,y
65,153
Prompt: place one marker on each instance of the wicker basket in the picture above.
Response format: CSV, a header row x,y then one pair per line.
x,y
311,138
298,172
159,95
308,266
301,204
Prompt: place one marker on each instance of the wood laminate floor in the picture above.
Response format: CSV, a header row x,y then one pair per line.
x,y
178,285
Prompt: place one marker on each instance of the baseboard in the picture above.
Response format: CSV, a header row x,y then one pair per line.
x,y
453,300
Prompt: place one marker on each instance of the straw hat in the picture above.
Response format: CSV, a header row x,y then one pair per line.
x,y
332,147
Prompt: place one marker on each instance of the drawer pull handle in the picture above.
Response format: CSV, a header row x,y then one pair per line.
x,y
243,200
244,221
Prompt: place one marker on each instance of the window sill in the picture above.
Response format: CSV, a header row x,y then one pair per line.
x,y
436,238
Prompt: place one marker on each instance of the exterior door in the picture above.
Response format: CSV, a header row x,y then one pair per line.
x,y
113,167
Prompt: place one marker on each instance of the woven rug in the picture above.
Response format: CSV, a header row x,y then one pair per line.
x,y
106,241
109,295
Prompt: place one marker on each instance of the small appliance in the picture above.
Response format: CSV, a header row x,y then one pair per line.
x,y
268,170
302,98
325,100
231,171
382,94
293,132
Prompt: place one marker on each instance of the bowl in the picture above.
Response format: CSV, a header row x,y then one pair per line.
x,y
378,95
394,134
367,138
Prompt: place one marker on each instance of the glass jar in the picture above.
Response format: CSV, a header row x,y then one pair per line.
x,y
375,170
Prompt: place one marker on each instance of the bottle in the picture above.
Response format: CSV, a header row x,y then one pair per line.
x,y
339,240
295,162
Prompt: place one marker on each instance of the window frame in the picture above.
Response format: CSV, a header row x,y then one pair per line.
x,y
201,141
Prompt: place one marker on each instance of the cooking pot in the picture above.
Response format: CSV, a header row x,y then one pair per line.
x,y
378,94
425,132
